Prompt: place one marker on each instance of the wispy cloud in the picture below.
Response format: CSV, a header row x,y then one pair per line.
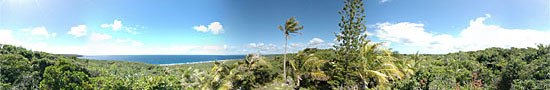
x,y
100,37
117,25
128,40
201,28
384,1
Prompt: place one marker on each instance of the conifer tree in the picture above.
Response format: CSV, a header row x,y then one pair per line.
x,y
350,39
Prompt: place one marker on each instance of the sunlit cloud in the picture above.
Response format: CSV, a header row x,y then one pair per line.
x,y
78,31
315,42
117,25
39,31
214,27
201,28
6,37
100,37
476,36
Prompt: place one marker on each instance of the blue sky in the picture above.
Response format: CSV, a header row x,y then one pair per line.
x,y
106,27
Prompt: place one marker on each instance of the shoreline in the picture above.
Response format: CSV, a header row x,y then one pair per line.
x,y
174,64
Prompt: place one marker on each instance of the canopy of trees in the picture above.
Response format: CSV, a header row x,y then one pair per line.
x,y
492,68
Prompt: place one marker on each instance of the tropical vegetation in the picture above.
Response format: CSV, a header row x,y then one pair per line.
x,y
355,63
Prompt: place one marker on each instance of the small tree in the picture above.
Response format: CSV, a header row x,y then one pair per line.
x,y
291,27
64,75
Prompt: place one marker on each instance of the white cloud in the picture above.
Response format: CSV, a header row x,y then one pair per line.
x,y
193,50
98,44
78,31
40,31
117,25
386,44
225,46
315,42
132,30
100,37
215,27
330,44
132,42
295,45
123,40
265,48
252,44
136,43
384,1
410,34
292,47
6,37
476,36
201,28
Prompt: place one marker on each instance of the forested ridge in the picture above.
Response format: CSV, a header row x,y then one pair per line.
x,y
354,63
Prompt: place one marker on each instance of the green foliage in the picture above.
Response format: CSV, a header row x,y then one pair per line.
x,y
354,63
21,68
492,68
13,67
350,39
531,84
308,69
252,72
64,75
157,83
247,74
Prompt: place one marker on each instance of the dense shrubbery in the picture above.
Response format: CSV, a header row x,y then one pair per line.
x,y
492,68
64,75
25,69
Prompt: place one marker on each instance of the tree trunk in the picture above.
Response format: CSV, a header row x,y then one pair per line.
x,y
284,58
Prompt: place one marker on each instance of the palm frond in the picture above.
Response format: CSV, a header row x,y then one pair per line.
x,y
319,75
281,28
380,77
392,73
292,64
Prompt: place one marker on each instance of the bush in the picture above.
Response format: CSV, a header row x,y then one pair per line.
x,y
64,75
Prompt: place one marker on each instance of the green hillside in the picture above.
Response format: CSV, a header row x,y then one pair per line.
x,y
492,68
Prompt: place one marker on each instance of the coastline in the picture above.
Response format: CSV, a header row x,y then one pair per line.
x,y
174,64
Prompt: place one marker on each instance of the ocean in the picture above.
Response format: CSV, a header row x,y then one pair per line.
x,y
164,59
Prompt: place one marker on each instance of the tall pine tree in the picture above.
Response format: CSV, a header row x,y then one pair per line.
x,y
350,39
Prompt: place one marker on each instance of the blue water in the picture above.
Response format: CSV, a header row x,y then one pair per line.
x,y
164,59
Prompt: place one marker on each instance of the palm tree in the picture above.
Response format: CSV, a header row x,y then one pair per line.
x,y
307,68
291,27
378,65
